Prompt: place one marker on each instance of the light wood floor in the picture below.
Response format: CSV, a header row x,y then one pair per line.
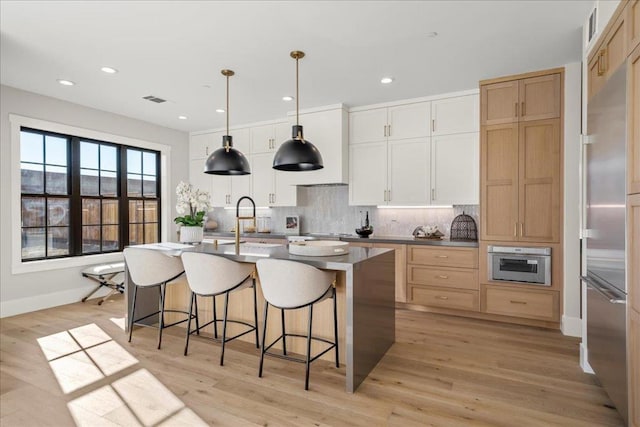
x,y
442,371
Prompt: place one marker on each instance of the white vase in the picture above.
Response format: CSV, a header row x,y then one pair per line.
x,y
191,234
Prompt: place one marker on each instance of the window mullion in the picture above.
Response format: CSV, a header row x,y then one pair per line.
x,y
76,226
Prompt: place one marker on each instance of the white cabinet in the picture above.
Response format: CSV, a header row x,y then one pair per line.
x,y
368,174
220,190
197,177
455,115
398,122
201,145
423,153
327,130
271,187
408,172
394,172
268,138
241,140
455,169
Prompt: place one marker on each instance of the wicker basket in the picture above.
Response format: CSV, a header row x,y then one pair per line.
x,y
464,227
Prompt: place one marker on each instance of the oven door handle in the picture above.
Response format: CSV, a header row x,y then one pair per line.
x,y
605,292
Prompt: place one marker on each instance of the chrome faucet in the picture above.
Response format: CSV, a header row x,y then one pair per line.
x,y
238,218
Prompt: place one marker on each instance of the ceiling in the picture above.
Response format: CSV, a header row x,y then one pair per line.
x,y
175,50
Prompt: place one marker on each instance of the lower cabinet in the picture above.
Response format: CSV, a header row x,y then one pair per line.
x,y
445,298
526,303
443,277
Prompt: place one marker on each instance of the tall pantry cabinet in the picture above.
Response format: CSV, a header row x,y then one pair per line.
x,y
521,186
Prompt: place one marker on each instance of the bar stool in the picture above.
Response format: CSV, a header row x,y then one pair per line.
x,y
289,285
212,275
150,268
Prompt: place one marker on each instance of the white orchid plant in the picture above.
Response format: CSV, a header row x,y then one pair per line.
x,y
193,205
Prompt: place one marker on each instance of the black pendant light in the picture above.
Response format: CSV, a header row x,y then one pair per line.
x,y
227,160
296,154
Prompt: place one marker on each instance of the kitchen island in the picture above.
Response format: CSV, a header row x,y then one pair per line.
x,y
365,290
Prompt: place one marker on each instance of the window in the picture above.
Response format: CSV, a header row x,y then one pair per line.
x,y
81,196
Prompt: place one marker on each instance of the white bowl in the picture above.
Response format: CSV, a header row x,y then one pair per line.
x,y
319,248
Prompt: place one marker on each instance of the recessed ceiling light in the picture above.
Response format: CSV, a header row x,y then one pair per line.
x,y
432,34
182,117
386,80
109,70
219,110
65,82
287,98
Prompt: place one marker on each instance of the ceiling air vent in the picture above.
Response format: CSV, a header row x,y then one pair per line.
x,y
154,99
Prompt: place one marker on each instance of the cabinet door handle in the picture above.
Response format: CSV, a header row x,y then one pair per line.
x,y
389,195
206,151
516,109
515,229
522,229
601,64
442,256
385,130
433,194
442,277
522,110
518,302
274,197
441,297
389,130
433,125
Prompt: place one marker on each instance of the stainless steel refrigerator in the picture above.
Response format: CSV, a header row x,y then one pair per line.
x,y
605,238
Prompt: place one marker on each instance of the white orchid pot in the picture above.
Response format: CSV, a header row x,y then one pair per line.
x,y
191,234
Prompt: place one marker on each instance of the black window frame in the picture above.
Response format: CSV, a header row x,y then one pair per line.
x,y
75,197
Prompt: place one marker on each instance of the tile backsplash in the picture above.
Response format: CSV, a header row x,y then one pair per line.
x,y
325,209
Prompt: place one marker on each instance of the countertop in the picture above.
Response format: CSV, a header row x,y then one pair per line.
x,y
252,252
401,240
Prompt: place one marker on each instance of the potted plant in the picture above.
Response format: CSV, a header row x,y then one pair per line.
x,y
193,205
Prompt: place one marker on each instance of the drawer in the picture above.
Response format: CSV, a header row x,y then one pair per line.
x,y
443,257
444,277
442,297
531,304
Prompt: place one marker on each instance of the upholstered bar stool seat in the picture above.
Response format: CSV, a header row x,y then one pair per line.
x,y
150,268
211,275
289,285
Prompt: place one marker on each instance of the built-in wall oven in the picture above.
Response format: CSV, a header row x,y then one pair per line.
x,y
530,265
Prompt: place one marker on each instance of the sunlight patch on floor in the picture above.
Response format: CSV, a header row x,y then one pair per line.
x,y
82,356
119,321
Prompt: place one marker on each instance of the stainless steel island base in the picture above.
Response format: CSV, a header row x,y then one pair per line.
x,y
366,287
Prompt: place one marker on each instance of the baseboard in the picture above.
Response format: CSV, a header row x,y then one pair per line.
x,y
571,326
584,359
40,302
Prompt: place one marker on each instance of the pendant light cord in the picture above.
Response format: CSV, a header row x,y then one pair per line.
x,y
297,97
227,105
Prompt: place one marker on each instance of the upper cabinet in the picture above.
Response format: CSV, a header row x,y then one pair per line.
x,y
394,160
632,22
398,122
326,128
533,98
201,145
609,54
455,115
633,122
270,187
267,138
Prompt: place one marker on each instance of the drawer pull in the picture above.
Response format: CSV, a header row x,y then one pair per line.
x,y
442,256
517,302
442,277
441,297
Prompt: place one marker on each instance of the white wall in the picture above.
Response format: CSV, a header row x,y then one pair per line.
x,y
36,290
571,322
